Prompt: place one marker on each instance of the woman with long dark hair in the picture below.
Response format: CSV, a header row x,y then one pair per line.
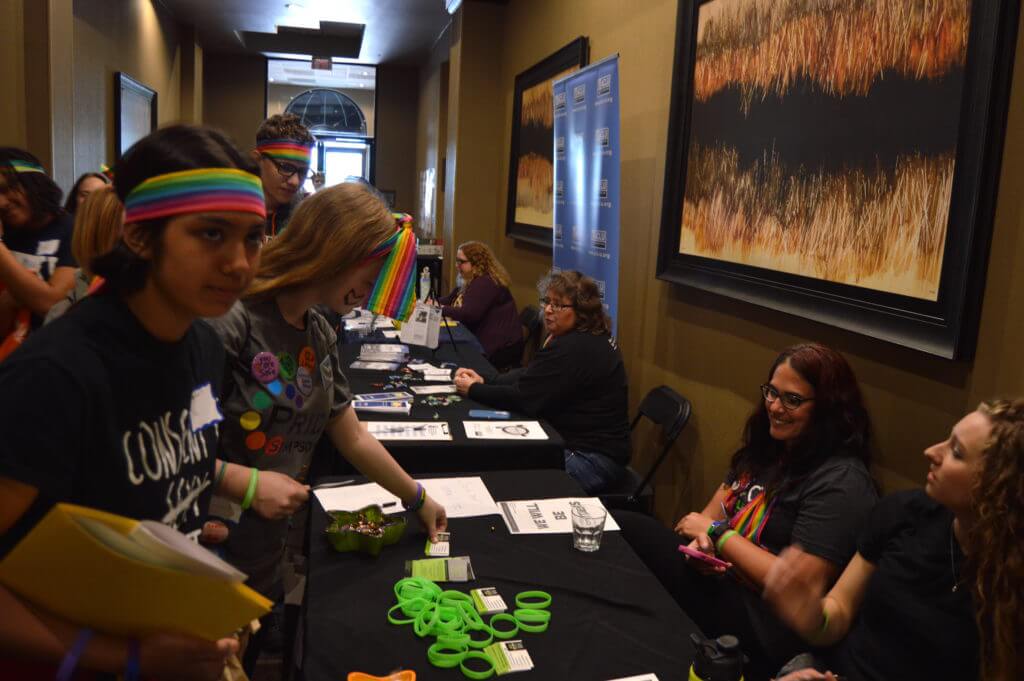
x,y
800,476
936,588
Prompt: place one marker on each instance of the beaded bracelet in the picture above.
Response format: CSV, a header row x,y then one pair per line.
x,y
250,492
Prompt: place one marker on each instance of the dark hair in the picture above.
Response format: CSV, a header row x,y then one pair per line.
x,y
839,424
43,193
168,150
585,296
71,203
283,126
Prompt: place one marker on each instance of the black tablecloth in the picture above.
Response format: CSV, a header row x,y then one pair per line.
x,y
460,335
461,453
610,617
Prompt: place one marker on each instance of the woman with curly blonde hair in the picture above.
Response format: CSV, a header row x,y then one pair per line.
x,y
485,305
935,588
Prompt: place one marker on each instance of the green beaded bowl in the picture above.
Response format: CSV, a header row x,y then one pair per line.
x,y
367,530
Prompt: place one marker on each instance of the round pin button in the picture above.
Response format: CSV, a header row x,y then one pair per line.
x,y
261,400
250,420
299,401
274,387
304,381
273,445
265,367
289,391
307,358
288,365
255,440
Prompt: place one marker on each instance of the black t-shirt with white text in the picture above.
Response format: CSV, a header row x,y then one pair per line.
x,y
96,411
43,250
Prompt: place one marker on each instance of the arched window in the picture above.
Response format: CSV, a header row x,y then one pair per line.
x,y
323,110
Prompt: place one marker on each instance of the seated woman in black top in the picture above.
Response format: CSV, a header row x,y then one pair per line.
x,y
936,588
485,305
800,476
36,267
577,382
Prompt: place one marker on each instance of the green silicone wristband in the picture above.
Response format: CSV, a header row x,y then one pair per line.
x,y
438,656
477,655
395,620
250,492
543,600
470,614
726,536
413,606
452,595
421,626
473,643
449,620
504,617
457,640
531,620
416,587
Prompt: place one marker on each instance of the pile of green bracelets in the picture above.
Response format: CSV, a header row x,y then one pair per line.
x,y
461,633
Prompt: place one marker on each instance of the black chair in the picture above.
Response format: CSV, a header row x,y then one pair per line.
x,y
533,330
670,410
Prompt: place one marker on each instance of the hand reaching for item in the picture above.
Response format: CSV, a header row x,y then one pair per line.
x,y
278,495
433,517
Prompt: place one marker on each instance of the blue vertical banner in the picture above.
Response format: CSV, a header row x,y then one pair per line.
x,y
586,222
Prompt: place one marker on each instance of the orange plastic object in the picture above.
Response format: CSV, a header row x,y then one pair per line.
x,y
404,675
22,322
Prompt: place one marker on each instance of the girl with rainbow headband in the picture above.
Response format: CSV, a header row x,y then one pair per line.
x,y
800,477
285,382
113,406
283,153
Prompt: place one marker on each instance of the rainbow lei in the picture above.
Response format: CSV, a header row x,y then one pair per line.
x,y
23,166
392,295
291,151
201,190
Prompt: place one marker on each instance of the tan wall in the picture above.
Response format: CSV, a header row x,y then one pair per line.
x,y
429,136
12,75
279,95
713,350
234,95
397,97
137,37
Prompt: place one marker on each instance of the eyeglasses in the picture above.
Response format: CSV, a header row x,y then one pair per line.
x,y
460,261
790,401
555,307
288,170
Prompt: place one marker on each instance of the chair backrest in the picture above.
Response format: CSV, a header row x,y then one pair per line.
x,y
670,410
533,327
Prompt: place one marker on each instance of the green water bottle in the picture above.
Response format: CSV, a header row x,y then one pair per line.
x,y
717,659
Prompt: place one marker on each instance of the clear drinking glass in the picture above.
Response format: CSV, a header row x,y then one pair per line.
x,y
587,527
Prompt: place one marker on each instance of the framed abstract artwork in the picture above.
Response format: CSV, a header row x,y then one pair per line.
x,y
135,112
530,213
840,160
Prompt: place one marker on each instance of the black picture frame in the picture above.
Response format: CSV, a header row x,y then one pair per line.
x,y
573,56
135,112
946,326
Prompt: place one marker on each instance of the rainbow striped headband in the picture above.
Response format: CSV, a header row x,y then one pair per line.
x,y
202,190
392,295
23,166
291,151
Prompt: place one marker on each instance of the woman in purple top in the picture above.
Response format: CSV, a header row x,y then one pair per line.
x,y
485,305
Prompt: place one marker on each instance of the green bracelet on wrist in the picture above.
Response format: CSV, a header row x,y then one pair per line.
x,y
250,492
824,622
724,538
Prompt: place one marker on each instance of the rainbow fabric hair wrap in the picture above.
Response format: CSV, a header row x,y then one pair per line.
x,y
392,295
22,166
201,190
289,151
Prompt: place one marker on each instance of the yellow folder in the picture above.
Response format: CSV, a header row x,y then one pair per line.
x,y
68,564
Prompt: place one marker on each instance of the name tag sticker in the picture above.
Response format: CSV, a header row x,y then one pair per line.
x,y
204,410
48,247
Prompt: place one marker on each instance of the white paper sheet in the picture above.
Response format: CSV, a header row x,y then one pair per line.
x,y
504,430
433,389
409,430
547,516
461,497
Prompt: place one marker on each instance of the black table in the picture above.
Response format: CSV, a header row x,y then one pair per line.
x,y
460,335
610,617
460,453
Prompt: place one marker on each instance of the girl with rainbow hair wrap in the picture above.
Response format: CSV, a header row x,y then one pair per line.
x,y
801,476
114,405
285,382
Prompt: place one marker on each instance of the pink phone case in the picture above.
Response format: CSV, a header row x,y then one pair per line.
x,y
700,555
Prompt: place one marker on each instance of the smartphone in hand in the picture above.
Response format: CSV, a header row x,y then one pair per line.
x,y
701,556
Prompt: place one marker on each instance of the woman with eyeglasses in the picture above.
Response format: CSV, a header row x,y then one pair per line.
x,y
577,382
800,476
484,304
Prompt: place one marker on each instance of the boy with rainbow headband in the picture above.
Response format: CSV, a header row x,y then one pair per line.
x,y
285,386
283,149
